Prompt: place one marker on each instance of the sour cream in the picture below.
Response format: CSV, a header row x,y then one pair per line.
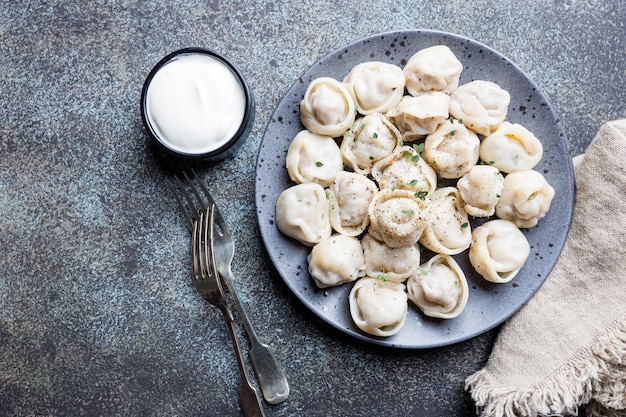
x,y
195,103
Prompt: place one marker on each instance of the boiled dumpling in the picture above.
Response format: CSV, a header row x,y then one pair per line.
x,y
313,158
432,69
336,260
498,250
375,86
350,196
482,105
511,148
394,264
452,150
526,198
398,217
480,189
372,138
439,288
416,117
405,169
448,230
327,107
378,307
302,213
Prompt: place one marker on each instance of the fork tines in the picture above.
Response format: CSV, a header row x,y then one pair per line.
x,y
200,250
195,196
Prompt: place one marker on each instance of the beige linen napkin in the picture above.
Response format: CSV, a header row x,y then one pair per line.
x,y
567,346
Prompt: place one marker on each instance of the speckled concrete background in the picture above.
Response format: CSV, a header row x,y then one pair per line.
x,y
97,312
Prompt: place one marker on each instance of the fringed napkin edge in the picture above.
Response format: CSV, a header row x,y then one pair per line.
x,y
595,377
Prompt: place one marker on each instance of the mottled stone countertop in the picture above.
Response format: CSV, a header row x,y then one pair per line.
x,y
97,312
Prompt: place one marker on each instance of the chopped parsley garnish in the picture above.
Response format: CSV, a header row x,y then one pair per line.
x,y
331,199
410,156
421,195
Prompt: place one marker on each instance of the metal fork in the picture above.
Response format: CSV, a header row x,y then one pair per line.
x,y
268,371
208,284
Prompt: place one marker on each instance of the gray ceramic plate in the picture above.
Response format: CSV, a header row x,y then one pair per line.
x,y
488,304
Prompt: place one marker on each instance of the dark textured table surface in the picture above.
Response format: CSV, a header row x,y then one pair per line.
x,y
97,312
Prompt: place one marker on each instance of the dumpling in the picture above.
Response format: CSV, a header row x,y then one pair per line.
x,y
394,264
372,138
482,105
452,150
511,148
313,158
432,69
439,288
498,250
398,217
405,169
526,198
302,213
327,107
378,307
447,230
336,260
481,189
350,196
375,86
416,117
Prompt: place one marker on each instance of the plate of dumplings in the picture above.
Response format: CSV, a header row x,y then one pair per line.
x,y
414,189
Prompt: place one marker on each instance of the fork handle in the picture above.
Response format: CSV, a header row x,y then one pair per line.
x,y
250,400
269,373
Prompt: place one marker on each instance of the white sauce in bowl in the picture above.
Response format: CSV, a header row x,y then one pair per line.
x,y
195,103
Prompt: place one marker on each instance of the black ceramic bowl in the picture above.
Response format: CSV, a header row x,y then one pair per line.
x,y
226,146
